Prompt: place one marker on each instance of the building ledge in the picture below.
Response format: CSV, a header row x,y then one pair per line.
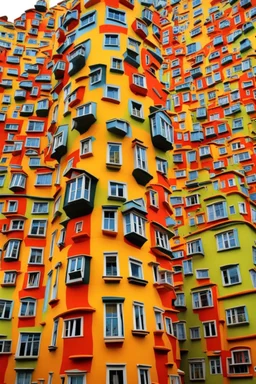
x,y
112,279
138,333
80,357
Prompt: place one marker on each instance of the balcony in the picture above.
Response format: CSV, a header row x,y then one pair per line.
x,y
41,6
142,176
245,3
247,27
196,136
70,18
26,84
20,95
140,28
132,57
118,127
76,60
59,70
79,196
134,226
161,130
59,147
27,110
33,68
42,108
196,72
85,117
245,45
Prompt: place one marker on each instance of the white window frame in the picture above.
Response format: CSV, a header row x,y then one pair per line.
x,y
69,328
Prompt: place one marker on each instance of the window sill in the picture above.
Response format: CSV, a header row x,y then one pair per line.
x,y
52,348
110,340
113,166
109,233
114,101
117,198
26,357
238,324
159,332
139,333
239,375
228,249
53,301
6,285
163,286
162,350
32,287
81,236
112,279
27,317
80,357
85,155
137,281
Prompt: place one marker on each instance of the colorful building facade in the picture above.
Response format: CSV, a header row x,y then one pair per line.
x,y
127,193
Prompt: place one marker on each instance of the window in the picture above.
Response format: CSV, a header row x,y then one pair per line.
x,y
75,269
153,198
137,110
179,330
139,80
187,267
161,165
239,361
36,256
117,190
180,300
116,15
38,227
242,208
192,200
18,180
230,275
202,299
135,267
215,365
12,249
10,277
196,370
55,333
40,208
114,154
109,219
5,346
237,315
134,223
116,374
112,92
44,179
139,316
144,377
195,333
95,76
194,246
114,323
159,319
168,326
79,188
23,377
73,327
58,140
116,64
162,240
202,273
174,379
88,19
33,279
76,379
5,309
217,211
227,240
111,40
209,329
27,307
28,345
111,267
